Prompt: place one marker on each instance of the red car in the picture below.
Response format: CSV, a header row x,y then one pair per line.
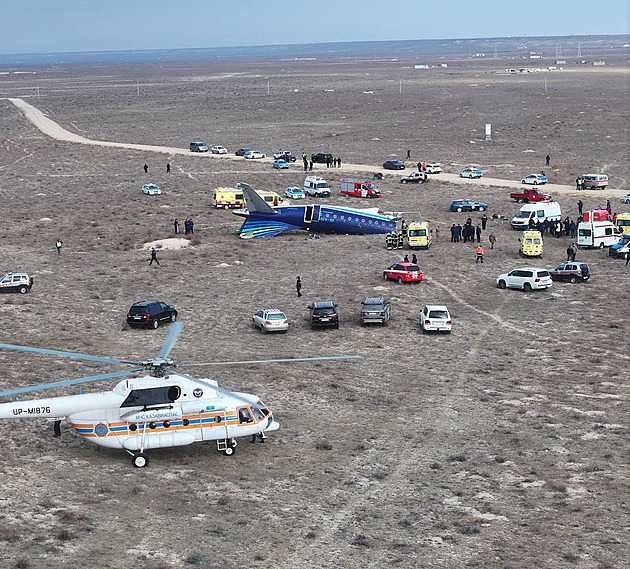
x,y
403,272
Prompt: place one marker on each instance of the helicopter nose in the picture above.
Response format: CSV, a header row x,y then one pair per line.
x,y
272,425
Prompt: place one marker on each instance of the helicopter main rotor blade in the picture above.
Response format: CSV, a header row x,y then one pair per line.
x,y
67,354
274,361
176,328
52,385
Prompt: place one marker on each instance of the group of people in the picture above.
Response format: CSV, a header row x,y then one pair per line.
x,y
146,168
189,226
559,228
466,233
395,239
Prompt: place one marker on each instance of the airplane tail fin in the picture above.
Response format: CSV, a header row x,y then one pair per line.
x,y
253,200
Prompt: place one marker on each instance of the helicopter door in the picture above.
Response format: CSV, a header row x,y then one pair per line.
x,y
215,429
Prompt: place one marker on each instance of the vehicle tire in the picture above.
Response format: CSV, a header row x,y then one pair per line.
x,y
527,287
262,329
459,209
601,245
385,276
404,181
229,451
482,209
400,281
501,284
140,460
573,279
23,290
610,252
154,323
336,326
173,317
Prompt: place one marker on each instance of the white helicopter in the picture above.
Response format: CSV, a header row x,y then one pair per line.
x,y
158,410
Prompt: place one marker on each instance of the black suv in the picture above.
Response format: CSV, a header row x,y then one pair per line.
x,y
149,314
323,314
321,157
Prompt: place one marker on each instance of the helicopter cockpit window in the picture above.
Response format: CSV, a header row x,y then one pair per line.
x,y
152,396
260,407
244,416
258,414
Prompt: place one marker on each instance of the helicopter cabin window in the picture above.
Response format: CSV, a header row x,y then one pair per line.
x,y
259,406
152,396
244,416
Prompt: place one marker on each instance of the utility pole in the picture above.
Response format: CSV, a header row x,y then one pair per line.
x,y
138,87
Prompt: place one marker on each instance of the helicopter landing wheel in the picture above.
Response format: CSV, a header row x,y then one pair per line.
x,y
229,451
140,460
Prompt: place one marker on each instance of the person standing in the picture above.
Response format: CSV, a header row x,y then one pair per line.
x,y
492,240
580,206
168,167
153,256
414,259
570,253
609,207
176,226
406,258
419,166
479,254
310,166
453,231
478,233
146,168
57,428
191,225
339,161
408,155
547,159
298,286
58,245
575,249
484,221
306,163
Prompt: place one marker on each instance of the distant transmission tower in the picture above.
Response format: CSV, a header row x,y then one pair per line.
x,y
579,53
558,50
496,55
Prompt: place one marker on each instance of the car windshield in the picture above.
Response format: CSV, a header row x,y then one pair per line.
x,y
413,268
438,314
324,311
276,316
523,214
417,232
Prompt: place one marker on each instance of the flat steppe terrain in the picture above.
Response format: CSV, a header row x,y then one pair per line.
x,y
504,444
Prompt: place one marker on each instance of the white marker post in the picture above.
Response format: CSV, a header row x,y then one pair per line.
x,y
488,131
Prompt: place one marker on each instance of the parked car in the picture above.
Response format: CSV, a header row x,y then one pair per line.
x,y
252,154
150,314
324,314
270,320
198,147
525,278
151,190
393,165
403,272
535,179
621,249
280,164
626,198
375,310
414,178
467,205
594,181
471,173
242,151
285,155
321,157
434,168
571,271
294,193
435,318
16,282
219,150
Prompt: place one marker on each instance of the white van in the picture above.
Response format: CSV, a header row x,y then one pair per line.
x,y
594,181
539,211
316,186
597,234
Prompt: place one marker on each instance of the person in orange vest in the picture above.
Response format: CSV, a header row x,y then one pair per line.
x,y
479,254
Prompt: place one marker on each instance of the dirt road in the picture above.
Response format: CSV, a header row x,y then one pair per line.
x,y
56,131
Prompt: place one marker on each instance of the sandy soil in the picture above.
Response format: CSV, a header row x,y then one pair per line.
x,y
504,444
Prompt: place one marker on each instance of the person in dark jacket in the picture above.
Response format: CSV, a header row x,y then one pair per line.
x,y
298,286
154,256
478,232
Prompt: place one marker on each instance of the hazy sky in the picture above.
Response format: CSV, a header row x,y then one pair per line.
x,y
48,26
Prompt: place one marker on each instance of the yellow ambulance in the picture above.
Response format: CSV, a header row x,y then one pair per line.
x,y
622,221
418,235
227,198
531,244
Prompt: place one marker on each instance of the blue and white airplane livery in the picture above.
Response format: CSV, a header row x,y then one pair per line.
x,y
264,220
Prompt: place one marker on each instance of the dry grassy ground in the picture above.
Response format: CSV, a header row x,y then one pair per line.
x,y
504,444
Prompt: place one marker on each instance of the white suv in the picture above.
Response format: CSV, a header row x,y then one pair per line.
x,y
525,278
219,150
437,318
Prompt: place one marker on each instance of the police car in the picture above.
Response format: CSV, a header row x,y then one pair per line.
x,y
151,190
16,282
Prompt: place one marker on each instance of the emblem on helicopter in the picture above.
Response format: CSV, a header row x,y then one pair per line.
x,y
152,411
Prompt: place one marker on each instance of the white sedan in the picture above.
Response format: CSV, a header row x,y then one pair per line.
x,y
151,190
270,320
626,198
219,150
254,154
294,193
534,179
433,169
471,173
